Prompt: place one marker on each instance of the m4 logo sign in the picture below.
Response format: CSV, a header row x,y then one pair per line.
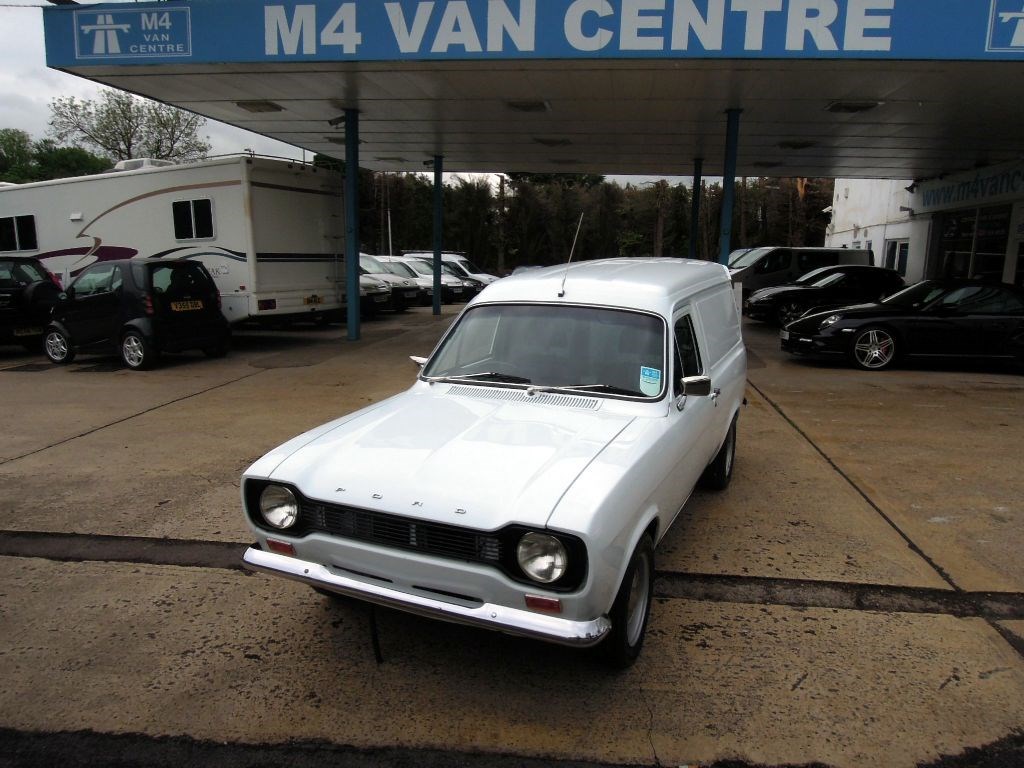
x,y
1006,26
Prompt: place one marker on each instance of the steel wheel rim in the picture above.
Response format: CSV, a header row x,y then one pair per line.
x,y
639,594
874,349
132,350
56,346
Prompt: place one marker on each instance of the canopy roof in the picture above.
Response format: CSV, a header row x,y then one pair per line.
x,y
839,88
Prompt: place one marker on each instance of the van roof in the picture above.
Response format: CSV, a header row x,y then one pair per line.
x,y
632,283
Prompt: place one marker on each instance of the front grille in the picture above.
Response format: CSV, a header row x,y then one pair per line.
x,y
401,532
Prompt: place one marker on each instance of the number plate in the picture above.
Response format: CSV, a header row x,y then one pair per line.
x,y
410,294
380,299
314,299
185,306
456,290
784,335
28,331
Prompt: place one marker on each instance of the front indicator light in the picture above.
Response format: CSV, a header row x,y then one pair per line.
x,y
546,604
278,506
281,547
542,557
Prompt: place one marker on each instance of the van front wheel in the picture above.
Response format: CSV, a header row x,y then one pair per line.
x,y
632,607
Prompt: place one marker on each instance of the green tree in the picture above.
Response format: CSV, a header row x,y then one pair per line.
x,y
16,160
54,162
124,126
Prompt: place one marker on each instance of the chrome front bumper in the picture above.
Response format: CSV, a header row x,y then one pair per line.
x,y
512,621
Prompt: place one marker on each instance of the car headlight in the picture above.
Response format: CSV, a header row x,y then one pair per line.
x,y
542,557
278,506
830,320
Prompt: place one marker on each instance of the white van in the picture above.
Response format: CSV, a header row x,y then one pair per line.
x,y
459,264
777,265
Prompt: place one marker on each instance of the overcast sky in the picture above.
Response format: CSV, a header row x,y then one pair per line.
x,y
27,87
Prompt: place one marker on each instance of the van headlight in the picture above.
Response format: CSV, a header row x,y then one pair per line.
x,y
278,506
542,557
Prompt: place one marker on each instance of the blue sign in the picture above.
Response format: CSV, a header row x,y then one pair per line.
x,y
115,33
1006,26
254,31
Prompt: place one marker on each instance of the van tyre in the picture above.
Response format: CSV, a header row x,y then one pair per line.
x,y
57,347
632,608
718,473
137,352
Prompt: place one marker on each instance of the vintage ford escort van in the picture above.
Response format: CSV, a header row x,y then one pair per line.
x,y
523,482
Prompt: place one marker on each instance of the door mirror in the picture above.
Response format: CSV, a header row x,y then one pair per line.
x,y
420,361
68,294
698,386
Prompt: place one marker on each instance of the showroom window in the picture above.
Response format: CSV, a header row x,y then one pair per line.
x,y
18,233
193,219
973,243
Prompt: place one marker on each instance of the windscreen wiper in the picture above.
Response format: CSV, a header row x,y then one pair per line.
x,y
611,389
506,378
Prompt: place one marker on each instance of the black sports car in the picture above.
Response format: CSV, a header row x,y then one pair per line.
x,y
936,318
821,289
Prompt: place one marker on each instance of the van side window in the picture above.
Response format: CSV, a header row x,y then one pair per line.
x,y
18,233
776,261
193,219
813,260
687,355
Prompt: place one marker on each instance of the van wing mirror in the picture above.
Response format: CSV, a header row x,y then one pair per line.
x,y
698,386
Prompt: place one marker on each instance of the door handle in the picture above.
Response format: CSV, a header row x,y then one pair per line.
x,y
714,396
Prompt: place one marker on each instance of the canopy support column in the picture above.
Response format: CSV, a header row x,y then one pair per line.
x,y
352,222
438,224
732,136
698,169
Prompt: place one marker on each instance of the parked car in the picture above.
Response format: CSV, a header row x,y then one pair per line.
x,y
424,284
821,289
935,318
454,289
27,295
141,308
404,291
523,481
773,265
459,264
374,295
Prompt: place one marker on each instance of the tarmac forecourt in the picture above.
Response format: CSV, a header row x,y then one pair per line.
x,y
853,599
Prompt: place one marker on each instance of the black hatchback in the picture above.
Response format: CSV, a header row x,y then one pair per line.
x,y
27,295
140,307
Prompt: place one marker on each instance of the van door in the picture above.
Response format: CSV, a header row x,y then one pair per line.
x,y
771,269
692,417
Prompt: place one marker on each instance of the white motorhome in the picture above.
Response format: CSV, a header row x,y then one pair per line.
x,y
270,231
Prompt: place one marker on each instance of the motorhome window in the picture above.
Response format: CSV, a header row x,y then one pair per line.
x,y
193,219
18,233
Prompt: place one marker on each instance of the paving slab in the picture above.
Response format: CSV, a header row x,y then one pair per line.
x,y
936,448
788,514
225,656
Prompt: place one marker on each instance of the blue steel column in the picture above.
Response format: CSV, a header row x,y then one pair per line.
x,y
698,168
352,221
732,137
438,224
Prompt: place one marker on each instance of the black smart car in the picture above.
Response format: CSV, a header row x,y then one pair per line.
x,y
936,318
27,295
821,289
141,307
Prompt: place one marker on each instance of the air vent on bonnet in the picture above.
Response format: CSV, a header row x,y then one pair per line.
x,y
520,396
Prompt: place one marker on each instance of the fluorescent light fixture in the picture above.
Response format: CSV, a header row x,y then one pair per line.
x,y
259,106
